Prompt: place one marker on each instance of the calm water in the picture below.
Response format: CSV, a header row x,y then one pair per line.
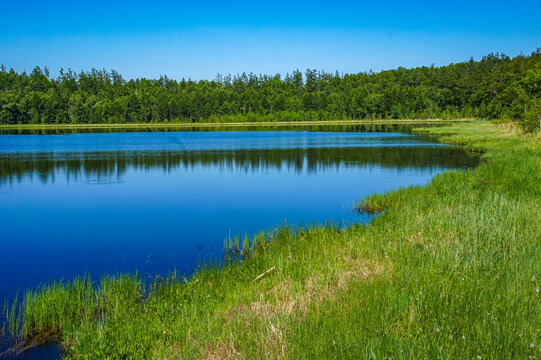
x,y
156,202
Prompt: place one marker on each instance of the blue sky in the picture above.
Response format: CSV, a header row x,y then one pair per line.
x,y
197,40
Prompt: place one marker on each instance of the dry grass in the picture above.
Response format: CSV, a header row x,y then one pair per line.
x,y
221,352
287,298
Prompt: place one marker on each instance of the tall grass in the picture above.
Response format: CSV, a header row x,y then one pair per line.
x,y
448,271
376,203
47,312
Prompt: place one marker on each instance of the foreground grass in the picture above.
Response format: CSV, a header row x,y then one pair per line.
x,y
181,125
449,271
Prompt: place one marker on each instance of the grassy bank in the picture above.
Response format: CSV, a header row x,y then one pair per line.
x,y
448,271
181,125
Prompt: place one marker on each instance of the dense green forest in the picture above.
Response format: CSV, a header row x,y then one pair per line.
x,y
496,87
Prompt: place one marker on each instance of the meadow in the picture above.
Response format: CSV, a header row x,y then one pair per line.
x,y
449,270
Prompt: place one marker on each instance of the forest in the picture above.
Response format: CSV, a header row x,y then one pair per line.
x,y
496,87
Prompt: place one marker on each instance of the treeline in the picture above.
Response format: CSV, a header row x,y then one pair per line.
x,y
496,87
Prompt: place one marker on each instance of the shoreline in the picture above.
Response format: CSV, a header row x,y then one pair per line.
x,y
226,124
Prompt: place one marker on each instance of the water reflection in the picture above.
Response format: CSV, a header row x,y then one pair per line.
x,y
112,165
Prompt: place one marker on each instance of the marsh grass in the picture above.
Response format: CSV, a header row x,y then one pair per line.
x,y
376,203
448,271
45,313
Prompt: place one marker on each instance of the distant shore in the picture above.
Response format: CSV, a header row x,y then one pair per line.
x,y
224,124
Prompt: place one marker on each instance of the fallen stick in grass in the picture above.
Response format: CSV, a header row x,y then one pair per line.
x,y
265,273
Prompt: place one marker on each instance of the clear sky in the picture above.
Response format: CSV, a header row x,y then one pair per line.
x,y
198,39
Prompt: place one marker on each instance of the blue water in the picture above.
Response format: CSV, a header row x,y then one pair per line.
x,y
157,202
215,140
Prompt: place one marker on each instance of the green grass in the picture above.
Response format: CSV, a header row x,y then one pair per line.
x,y
376,203
450,270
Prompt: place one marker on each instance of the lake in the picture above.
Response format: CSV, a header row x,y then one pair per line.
x,y
156,202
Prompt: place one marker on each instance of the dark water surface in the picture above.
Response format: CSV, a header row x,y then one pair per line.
x,y
163,201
